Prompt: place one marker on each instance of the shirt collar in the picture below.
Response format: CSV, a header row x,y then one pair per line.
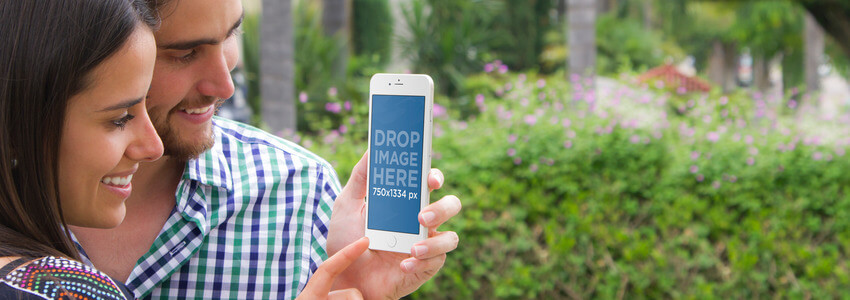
x,y
211,167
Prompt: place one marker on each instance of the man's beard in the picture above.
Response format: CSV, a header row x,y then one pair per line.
x,y
180,149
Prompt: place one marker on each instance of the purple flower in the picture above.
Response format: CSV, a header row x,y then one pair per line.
x,y
347,105
530,119
553,120
574,77
751,161
439,110
713,136
533,168
503,69
523,102
634,139
488,68
715,184
571,134
748,139
694,169
792,104
332,91
333,107
754,151
512,138
733,178
517,161
700,177
541,83
695,155
521,77
817,155
302,96
511,152
352,120
566,122
479,99
706,119
568,144
681,90
724,100
343,128
839,152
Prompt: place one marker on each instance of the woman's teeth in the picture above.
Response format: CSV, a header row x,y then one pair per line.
x,y
198,111
117,181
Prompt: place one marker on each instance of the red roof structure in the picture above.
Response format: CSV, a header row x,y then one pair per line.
x,y
673,78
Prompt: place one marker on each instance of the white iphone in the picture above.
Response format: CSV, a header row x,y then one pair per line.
x,y
399,159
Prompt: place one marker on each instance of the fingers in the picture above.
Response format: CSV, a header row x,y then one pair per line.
x,y
435,179
321,282
356,187
439,212
437,245
414,265
346,294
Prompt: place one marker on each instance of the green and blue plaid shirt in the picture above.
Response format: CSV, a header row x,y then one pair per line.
x,y
251,222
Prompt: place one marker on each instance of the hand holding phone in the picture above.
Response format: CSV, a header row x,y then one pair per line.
x,y
399,159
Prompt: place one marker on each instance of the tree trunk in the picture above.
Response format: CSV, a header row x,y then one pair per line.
x,y
814,43
336,22
731,60
581,15
761,73
277,65
716,64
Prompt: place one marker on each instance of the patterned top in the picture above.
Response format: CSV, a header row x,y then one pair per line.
x,y
59,278
250,222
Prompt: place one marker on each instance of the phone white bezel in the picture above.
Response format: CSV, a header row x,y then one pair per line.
x,y
403,85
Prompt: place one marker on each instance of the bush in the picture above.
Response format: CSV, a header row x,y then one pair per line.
x,y
565,196
372,29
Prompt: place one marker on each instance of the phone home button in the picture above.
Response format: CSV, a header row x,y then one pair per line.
x,y
392,241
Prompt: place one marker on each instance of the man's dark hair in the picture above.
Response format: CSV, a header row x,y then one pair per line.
x,y
49,50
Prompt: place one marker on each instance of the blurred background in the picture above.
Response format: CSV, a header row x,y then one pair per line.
x,y
601,148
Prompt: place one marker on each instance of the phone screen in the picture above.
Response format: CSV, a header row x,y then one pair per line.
x,y
395,162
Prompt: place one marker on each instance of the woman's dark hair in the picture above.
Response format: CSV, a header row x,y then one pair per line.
x,y
49,50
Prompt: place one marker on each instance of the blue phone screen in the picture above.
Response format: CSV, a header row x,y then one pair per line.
x,y
395,162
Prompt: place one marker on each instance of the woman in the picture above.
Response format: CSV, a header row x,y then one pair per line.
x,y
73,128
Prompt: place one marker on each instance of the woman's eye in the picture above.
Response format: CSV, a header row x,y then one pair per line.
x,y
122,122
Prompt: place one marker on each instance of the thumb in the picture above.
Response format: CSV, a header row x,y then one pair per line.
x,y
356,188
320,284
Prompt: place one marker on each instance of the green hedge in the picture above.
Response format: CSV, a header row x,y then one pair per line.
x,y
563,199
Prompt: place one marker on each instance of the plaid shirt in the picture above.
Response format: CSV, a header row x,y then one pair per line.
x,y
250,222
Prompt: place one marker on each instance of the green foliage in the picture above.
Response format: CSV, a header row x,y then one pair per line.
x,y
624,45
563,199
372,30
520,31
447,39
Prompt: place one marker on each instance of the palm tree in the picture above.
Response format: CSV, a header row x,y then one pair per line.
x,y
581,15
277,65
814,43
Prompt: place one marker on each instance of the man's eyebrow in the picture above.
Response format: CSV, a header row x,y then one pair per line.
x,y
123,105
188,45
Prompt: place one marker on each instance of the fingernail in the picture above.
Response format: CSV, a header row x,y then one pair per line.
x,y
419,250
440,177
407,265
428,217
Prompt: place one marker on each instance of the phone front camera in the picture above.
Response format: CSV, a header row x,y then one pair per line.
x,y
389,83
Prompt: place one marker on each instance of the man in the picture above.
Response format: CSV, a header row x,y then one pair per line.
x,y
232,212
